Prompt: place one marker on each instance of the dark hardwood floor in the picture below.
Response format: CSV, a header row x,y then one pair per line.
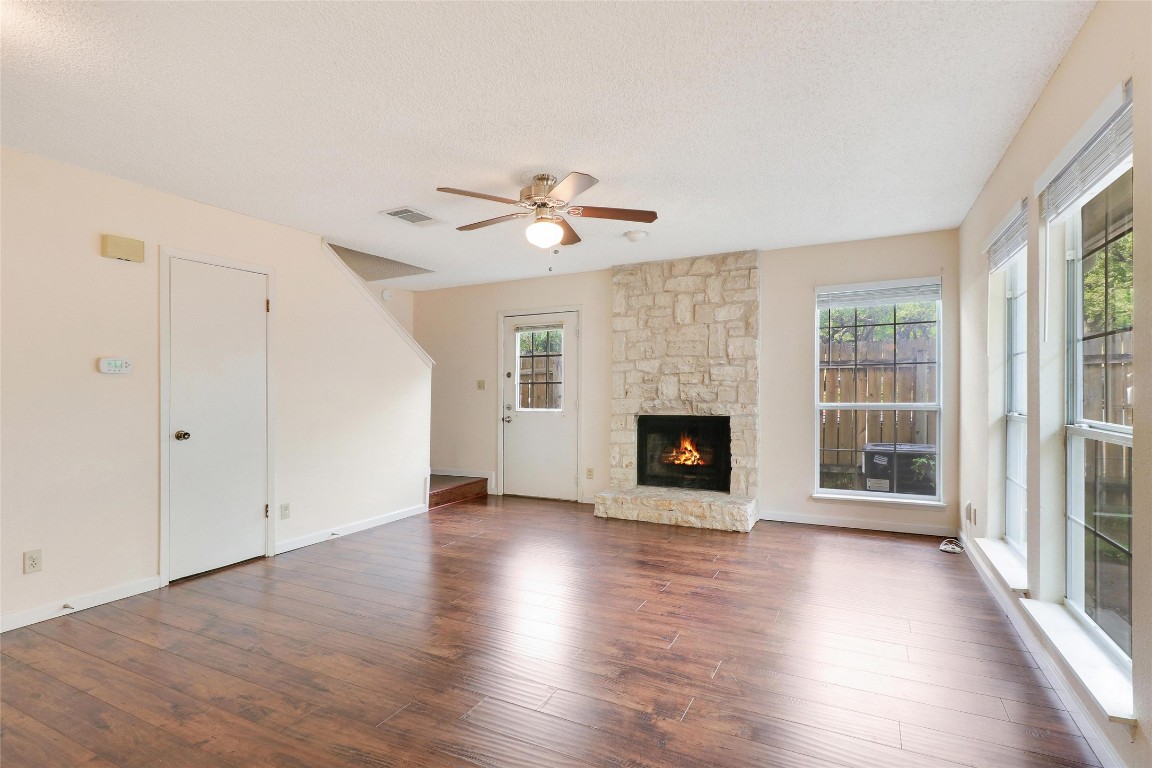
x,y
448,489
521,632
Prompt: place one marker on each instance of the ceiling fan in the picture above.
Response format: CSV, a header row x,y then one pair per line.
x,y
545,200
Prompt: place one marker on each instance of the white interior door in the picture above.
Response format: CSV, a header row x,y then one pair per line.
x,y
218,457
539,396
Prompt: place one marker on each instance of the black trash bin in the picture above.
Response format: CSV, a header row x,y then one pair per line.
x,y
900,468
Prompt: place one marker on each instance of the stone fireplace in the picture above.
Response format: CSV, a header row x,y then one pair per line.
x,y
684,346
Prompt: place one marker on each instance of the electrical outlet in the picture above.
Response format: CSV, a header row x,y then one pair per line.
x,y
588,473
481,384
285,511
33,561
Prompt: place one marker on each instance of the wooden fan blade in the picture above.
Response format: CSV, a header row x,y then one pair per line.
x,y
490,222
622,214
481,195
572,186
570,236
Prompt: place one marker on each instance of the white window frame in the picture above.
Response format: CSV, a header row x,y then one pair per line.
x,y
1078,429
1015,414
520,360
936,407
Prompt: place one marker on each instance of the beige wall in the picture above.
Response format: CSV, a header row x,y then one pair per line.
x,y
788,282
81,450
459,327
1114,45
399,304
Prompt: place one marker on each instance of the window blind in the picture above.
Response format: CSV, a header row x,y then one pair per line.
x,y
527,328
927,289
1111,145
1011,239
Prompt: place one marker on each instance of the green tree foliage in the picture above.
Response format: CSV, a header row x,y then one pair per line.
x,y
1107,287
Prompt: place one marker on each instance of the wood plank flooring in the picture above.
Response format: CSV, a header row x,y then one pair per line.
x,y
522,632
449,489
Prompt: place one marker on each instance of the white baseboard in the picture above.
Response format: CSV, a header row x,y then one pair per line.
x,y
893,526
90,600
344,530
470,473
1068,692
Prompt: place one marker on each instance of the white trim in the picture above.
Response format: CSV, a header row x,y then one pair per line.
x,y
1094,668
578,309
893,526
167,254
880,285
1074,697
1121,435
344,530
469,473
918,406
1008,566
878,497
89,600
1111,104
353,278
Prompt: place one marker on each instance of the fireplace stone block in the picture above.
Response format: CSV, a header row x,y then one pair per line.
x,y
674,506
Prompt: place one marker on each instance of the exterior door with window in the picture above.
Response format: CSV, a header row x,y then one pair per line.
x,y
539,406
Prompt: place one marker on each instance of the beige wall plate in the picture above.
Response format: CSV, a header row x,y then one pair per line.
x,y
123,248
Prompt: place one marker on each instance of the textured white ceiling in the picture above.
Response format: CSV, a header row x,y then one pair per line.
x,y
745,125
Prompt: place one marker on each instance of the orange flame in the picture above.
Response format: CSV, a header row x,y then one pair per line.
x,y
685,454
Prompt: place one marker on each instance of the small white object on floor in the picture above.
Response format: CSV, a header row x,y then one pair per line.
x,y
952,546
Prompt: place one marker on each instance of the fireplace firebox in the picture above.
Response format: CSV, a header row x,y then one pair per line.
x,y
684,452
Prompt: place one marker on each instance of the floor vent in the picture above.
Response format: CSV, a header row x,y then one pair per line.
x,y
410,215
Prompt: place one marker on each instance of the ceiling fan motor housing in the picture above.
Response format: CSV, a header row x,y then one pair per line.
x,y
537,194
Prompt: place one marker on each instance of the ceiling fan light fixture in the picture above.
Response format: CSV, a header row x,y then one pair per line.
x,y
544,232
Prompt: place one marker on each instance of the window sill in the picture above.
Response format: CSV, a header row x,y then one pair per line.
x,y
887,500
1009,567
1105,678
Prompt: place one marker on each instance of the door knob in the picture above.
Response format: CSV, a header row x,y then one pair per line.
x,y
182,435
507,419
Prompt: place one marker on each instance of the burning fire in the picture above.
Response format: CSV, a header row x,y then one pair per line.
x,y
685,454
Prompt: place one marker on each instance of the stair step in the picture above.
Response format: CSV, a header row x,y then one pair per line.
x,y
445,489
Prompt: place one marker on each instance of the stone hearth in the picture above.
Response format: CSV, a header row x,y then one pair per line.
x,y
685,342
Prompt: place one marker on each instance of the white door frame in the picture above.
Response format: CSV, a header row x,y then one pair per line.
x,y
578,309
167,255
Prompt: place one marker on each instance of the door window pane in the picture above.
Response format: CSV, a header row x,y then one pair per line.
x,y
540,369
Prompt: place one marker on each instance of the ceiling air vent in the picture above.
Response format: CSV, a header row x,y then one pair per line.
x,y
410,215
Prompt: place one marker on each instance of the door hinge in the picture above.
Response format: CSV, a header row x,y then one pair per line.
x,y
265,510
267,305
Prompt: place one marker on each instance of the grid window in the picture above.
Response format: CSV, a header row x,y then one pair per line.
x,y
878,379
1099,461
540,369
1106,305
1016,408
